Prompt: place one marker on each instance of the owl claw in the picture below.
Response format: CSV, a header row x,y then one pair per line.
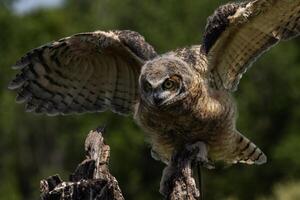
x,y
201,156
178,175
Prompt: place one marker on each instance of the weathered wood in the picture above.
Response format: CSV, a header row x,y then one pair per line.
x,y
177,182
91,179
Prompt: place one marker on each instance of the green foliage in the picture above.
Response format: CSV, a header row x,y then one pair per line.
x,y
33,147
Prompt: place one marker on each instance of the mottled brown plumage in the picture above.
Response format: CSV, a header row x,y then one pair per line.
x,y
177,98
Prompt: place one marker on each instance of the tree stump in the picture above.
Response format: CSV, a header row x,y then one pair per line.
x,y
92,179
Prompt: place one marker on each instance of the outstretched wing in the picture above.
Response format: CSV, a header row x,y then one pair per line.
x,y
238,33
87,72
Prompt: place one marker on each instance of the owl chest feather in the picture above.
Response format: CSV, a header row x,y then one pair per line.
x,y
185,123
176,127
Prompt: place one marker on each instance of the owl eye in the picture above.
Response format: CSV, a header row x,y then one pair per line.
x,y
168,84
147,87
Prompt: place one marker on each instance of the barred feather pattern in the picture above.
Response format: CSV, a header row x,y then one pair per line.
x,y
247,152
239,33
87,72
233,147
119,70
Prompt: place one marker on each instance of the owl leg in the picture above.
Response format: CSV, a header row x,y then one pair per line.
x,y
179,171
202,155
178,174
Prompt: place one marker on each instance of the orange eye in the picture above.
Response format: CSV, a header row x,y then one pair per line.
x,y
168,84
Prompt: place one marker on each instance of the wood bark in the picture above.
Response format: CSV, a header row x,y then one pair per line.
x,y
92,179
178,181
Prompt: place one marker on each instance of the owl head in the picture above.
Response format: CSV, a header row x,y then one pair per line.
x,y
164,81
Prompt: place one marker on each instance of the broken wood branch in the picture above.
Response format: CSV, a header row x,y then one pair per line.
x,y
92,179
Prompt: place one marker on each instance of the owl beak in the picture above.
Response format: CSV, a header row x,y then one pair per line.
x,y
157,99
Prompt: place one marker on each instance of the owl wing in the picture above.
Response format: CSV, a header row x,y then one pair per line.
x,y
238,33
87,72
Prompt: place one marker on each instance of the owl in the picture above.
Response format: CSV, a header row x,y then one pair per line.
x,y
177,98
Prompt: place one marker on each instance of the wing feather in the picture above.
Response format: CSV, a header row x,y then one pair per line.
x,y
87,72
238,33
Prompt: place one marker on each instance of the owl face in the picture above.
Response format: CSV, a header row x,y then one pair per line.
x,y
164,81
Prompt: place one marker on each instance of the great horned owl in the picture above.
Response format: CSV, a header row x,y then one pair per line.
x,y
177,98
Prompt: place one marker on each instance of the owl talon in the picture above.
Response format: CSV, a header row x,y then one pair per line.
x,y
201,156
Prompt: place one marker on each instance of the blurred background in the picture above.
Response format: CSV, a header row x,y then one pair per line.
x,y
33,147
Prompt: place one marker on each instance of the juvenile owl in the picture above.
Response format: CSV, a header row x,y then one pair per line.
x,y
177,98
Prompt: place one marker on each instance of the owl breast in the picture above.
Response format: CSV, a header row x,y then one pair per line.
x,y
173,128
